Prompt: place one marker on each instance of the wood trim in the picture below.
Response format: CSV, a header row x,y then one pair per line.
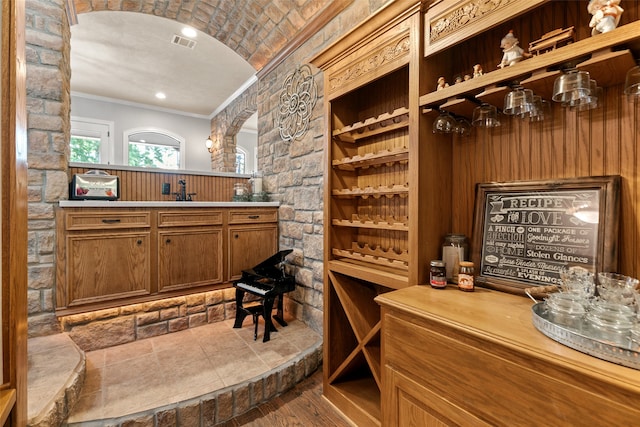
x,y
378,23
304,34
7,401
13,206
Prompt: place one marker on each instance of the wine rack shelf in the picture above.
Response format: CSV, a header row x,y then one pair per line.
x,y
401,190
382,157
375,222
386,122
379,256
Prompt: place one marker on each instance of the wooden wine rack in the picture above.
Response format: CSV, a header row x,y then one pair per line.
x,y
386,122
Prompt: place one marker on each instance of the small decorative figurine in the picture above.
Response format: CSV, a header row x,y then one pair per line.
x,y
477,70
457,80
467,77
605,15
512,52
442,83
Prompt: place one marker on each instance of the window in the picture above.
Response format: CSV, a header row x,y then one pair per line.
x,y
241,160
91,141
153,148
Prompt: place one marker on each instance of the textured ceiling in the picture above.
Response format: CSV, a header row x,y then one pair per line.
x,y
121,50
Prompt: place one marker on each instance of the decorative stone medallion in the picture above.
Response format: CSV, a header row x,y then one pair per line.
x,y
297,99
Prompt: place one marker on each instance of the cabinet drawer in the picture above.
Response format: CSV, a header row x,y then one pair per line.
x,y
107,220
188,218
252,216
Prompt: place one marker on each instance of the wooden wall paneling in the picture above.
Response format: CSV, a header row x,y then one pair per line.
x,y
504,152
466,159
558,140
545,128
629,199
522,146
147,186
596,137
583,143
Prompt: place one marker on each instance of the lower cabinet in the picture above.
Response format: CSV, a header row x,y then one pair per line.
x,y
415,405
189,258
113,256
104,266
190,249
252,237
475,359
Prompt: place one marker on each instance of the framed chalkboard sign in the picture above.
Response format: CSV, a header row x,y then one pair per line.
x,y
525,232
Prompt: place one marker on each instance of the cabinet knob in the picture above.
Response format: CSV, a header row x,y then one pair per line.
x,y
168,241
236,236
139,242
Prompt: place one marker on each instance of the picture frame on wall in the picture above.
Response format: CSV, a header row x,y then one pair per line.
x,y
526,232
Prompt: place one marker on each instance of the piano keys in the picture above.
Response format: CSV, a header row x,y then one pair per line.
x,y
268,281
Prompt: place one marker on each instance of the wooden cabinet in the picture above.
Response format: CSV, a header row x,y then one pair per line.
x,y
108,256
190,249
114,256
386,195
252,237
394,188
475,359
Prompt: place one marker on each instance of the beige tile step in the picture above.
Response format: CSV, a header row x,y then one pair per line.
x,y
206,374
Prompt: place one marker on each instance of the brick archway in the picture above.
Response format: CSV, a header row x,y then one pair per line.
x,y
257,31
226,125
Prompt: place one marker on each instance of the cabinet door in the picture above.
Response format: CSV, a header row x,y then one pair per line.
x,y
407,403
250,245
102,267
189,257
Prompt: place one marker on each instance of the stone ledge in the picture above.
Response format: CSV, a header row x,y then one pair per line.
x,y
225,404
65,395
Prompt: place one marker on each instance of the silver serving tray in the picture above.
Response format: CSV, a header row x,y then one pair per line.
x,y
587,339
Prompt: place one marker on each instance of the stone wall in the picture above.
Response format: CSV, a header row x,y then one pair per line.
x,y
226,125
120,325
48,106
293,170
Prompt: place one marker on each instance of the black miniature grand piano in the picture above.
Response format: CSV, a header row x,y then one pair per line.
x,y
267,281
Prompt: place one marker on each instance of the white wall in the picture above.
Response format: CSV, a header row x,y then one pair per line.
x,y
193,130
248,140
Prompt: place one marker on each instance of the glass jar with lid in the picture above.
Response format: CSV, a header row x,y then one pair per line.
x,y
465,276
454,250
437,274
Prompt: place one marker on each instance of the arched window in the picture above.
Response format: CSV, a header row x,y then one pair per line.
x,y
241,160
153,148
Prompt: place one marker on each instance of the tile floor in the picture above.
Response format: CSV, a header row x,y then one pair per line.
x,y
171,368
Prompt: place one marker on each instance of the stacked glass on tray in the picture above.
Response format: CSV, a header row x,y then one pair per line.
x,y
608,310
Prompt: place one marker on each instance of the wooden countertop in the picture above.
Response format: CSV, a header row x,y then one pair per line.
x,y
504,319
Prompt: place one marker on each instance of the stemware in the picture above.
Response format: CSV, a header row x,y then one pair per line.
x,y
463,128
632,82
519,101
444,123
570,86
485,115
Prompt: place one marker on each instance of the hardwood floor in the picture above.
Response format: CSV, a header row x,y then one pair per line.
x,y
301,406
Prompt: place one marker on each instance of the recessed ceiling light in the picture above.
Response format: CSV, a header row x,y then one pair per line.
x,y
189,32
160,95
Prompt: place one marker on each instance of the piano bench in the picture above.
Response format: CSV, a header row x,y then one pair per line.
x,y
255,309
